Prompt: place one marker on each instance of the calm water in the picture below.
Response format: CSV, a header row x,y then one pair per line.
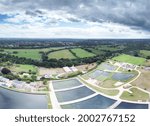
x,y
98,73
125,105
108,67
14,100
123,76
73,94
97,102
66,84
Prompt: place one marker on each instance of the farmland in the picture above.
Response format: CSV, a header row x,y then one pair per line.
x,y
81,53
23,68
130,59
27,53
65,54
70,54
145,53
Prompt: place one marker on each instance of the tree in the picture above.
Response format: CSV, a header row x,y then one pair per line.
x,y
5,71
45,82
148,57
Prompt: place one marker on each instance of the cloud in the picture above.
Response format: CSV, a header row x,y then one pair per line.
x,y
106,16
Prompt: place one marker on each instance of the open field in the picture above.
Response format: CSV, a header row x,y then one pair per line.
x,y
50,71
108,83
23,68
81,53
135,95
65,54
130,59
147,63
109,48
102,49
145,53
96,51
28,53
144,80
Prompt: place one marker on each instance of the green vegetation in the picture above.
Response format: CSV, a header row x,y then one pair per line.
x,y
110,92
65,54
27,53
147,63
81,53
108,83
130,59
145,53
24,68
135,95
104,49
109,47
34,54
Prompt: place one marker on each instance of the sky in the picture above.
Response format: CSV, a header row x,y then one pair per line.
x,y
74,19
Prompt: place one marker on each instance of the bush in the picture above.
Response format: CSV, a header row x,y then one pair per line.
x,y
5,71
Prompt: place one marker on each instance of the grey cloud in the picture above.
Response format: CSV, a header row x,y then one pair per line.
x,y
133,13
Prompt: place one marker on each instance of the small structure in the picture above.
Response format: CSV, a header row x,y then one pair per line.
x,y
46,76
118,83
127,86
67,69
74,69
92,81
128,66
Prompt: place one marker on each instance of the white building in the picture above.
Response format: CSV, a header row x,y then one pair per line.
x,y
67,69
74,69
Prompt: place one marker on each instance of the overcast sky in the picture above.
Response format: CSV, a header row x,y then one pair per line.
x,y
75,18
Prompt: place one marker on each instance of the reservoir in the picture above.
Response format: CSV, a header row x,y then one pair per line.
x,y
16,100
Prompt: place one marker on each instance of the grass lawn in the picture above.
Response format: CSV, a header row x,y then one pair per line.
x,y
130,59
96,51
81,53
109,83
145,53
27,53
135,96
65,54
23,68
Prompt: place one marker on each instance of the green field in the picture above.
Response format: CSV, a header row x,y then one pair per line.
x,y
24,68
130,59
81,53
96,51
135,95
65,54
28,53
145,53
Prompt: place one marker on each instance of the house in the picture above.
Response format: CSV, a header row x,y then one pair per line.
x,y
47,76
74,69
67,69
